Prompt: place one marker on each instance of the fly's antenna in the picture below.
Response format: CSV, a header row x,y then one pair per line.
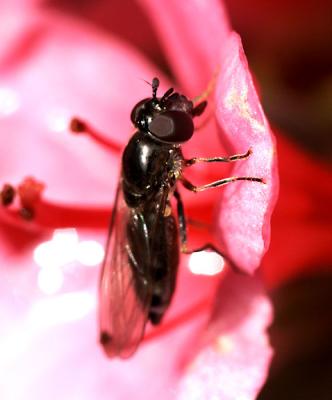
x,y
155,85
166,95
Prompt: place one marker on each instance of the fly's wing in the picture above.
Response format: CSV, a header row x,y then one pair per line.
x,y
123,314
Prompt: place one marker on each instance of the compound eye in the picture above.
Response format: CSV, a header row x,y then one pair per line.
x,y
172,126
137,112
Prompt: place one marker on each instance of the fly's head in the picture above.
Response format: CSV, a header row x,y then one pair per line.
x,y
169,119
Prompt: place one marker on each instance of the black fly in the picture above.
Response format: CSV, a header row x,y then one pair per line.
x,y
142,254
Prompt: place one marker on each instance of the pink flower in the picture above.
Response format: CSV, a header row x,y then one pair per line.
x,y
211,343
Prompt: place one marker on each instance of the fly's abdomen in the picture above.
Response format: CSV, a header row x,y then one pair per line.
x,y
153,258
164,268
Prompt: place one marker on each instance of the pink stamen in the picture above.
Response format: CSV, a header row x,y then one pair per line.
x,y
43,214
79,126
180,319
54,216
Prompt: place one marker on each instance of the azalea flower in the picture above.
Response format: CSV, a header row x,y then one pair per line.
x,y
213,341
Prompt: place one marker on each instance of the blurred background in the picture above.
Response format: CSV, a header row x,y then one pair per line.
x,y
289,49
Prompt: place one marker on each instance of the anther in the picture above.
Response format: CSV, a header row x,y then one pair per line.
x,y
7,194
105,338
29,192
77,125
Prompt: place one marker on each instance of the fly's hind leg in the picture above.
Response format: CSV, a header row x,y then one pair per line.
x,y
182,221
188,185
183,235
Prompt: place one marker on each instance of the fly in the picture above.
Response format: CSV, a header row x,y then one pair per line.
x,y
146,235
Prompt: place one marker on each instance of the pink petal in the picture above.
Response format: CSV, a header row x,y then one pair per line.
x,y
245,211
235,355
192,34
48,342
15,20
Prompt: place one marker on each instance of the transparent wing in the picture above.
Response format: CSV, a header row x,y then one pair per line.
x,y
123,310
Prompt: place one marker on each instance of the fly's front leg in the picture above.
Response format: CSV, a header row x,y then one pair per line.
x,y
220,182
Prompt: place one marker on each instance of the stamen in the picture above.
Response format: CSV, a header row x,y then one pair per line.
x,y
210,88
79,126
43,214
180,319
53,215
56,216
29,193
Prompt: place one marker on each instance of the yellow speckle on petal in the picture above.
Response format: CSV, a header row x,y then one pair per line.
x,y
236,100
224,344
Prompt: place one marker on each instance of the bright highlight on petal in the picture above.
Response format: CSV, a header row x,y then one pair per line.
x,y
65,237
206,263
59,251
9,102
57,120
64,248
50,280
90,253
61,309
224,344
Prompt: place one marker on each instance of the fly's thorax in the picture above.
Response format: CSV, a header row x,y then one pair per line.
x,y
147,166
175,165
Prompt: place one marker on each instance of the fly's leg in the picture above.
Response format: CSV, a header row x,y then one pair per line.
x,y
209,89
182,220
188,185
233,158
183,228
183,235
220,182
198,224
